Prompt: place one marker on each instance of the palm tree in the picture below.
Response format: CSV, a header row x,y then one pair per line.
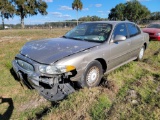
x,y
77,5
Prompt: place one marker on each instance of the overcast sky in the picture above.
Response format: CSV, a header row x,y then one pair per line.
x,y
60,10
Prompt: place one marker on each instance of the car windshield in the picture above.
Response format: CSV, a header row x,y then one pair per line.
x,y
154,26
94,32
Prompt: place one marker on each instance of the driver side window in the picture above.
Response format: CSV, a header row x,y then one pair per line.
x,y
120,29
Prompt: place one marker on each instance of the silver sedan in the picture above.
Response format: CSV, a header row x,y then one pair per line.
x,y
82,56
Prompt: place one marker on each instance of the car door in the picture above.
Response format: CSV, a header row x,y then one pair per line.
x,y
136,39
119,50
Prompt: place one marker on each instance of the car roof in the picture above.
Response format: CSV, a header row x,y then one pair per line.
x,y
110,22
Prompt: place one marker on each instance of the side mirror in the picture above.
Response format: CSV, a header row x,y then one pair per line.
x,y
119,38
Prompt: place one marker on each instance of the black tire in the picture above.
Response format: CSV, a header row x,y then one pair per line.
x,y
141,53
92,75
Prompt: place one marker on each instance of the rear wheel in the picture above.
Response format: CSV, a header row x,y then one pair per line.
x,y
92,75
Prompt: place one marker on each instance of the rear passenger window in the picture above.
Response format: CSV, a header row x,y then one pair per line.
x,y
133,29
120,29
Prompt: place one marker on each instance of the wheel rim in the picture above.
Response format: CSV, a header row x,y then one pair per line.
x,y
92,76
141,53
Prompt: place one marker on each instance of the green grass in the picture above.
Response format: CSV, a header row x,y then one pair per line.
x,y
110,101
98,111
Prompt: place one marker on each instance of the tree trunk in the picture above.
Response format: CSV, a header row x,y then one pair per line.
x,y
22,22
77,17
2,21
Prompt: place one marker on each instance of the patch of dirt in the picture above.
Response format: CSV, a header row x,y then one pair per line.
x,y
2,55
132,97
5,39
34,103
147,60
158,89
111,86
156,77
138,83
13,39
40,115
157,52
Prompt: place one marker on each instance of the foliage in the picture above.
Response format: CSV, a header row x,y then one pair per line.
x,y
155,16
25,8
117,12
135,11
6,10
77,5
131,10
72,23
91,18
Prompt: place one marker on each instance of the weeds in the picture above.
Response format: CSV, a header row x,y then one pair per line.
x,y
99,110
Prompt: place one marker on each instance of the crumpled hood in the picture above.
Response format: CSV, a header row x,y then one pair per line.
x,y
48,51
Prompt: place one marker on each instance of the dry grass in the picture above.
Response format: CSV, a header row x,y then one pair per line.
x,y
111,100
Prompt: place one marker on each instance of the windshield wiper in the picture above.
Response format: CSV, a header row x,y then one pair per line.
x,y
75,38
64,37
87,40
72,38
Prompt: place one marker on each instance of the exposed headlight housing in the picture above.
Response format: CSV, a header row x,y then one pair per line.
x,y
157,34
56,69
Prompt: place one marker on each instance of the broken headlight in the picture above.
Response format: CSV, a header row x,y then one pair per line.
x,y
55,69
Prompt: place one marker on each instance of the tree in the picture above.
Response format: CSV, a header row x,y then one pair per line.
x,y
6,10
155,16
132,10
25,8
144,13
120,9
112,15
90,18
77,5
117,13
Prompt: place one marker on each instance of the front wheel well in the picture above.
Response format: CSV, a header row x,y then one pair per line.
x,y
145,45
103,63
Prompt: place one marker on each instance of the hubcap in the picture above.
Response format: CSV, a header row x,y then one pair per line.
x,y
92,75
141,53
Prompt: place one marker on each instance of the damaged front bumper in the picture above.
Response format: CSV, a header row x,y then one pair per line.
x,y
52,88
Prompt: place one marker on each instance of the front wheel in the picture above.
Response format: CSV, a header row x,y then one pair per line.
x,y
92,75
141,53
